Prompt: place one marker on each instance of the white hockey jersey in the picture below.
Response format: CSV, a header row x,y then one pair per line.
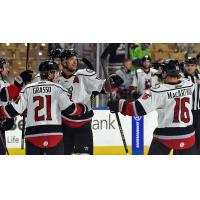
x,y
80,87
44,102
143,81
196,95
36,78
173,102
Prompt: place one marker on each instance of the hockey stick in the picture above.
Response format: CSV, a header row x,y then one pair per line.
x,y
3,142
111,98
23,126
88,63
90,66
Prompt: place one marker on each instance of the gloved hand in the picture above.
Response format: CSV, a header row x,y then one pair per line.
x,y
113,105
115,80
23,78
7,124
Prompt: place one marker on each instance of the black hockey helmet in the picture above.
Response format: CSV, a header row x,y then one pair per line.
x,y
172,68
55,53
48,66
67,53
191,61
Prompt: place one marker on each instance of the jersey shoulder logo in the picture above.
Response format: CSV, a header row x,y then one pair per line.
x,y
98,78
89,71
156,86
145,96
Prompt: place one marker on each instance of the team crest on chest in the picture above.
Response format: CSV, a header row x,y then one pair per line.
x,y
69,91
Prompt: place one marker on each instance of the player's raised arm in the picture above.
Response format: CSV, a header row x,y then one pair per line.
x,y
145,104
11,91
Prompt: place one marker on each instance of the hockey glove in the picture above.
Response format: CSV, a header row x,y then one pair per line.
x,y
75,109
7,124
117,105
23,78
115,80
84,108
113,105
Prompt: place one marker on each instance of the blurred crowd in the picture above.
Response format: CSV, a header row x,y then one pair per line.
x,y
138,72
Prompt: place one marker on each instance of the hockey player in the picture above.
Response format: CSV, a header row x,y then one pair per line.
x,y
55,56
80,84
44,101
9,92
145,77
173,102
192,73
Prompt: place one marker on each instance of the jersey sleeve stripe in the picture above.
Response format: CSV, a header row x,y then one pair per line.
x,y
11,111
43,129
139,109
85,74
171,89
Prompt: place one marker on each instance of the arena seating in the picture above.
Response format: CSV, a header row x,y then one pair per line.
x,y
15,54
168,50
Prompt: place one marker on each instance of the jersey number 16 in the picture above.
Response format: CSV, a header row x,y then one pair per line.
x,y
181,112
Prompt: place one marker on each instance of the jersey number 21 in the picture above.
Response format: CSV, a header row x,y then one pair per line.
x,y
40,106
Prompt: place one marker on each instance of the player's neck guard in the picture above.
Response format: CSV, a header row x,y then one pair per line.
x,y
65,75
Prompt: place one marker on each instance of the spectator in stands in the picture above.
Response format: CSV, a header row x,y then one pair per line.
x,y
126,89
132,47
139,53
186,48
145,77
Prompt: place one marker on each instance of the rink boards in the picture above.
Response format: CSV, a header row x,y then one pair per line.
x,y
107,138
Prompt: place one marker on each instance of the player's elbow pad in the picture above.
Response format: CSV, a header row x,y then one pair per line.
x,y
7,124
131,108
4,95
11,111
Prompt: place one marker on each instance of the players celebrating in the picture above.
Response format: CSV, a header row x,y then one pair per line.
x,y
80,84
44,101
59,112
173,102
